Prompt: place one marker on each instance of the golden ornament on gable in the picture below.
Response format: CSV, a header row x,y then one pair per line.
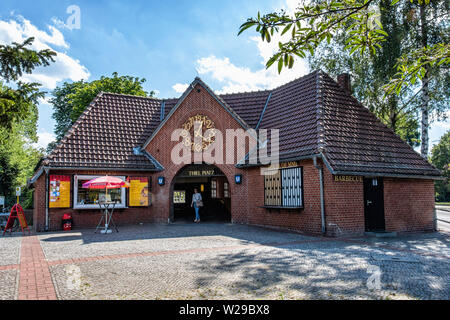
x,y
204,132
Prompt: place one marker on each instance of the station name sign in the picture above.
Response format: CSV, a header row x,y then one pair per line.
x,y
200,173
348,178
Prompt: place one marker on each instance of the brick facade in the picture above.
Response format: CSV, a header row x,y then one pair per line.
x,y
199,101
87,218
409,204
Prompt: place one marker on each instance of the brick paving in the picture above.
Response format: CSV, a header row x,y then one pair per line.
x,y
213,261
35,282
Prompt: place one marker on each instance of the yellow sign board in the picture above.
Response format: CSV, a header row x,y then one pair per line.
x,y
59,190
139,192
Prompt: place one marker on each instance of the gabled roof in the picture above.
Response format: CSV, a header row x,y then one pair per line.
x,y
314,115
108,135
357,142
191,87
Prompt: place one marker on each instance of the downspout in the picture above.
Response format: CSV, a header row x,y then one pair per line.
x,y
322,201
46,200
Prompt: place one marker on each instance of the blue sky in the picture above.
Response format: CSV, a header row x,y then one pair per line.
x,y
167,42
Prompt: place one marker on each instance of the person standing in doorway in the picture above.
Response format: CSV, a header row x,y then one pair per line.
x,y
197,203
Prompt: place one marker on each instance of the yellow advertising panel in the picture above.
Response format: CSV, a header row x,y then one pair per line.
x,y
138,192
59,189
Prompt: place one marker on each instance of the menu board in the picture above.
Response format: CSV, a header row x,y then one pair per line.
x,y
59,189
138,192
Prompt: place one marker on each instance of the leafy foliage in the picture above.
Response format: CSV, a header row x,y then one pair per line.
x,y
424,56
18,116
18,159
318,22
15,60
17,104
71,99
371,72
440,157
412,66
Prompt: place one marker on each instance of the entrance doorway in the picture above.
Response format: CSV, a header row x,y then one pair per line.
x,y
374,204
214,188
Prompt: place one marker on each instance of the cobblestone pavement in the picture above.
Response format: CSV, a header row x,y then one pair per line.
x,y
222,261
10,249
8,287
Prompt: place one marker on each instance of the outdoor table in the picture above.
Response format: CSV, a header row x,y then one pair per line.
x,y
108,210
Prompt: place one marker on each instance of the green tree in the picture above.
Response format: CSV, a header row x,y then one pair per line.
x,y
371,72
71,99
428,34
319,22
18,158
18,116
440,158
16,103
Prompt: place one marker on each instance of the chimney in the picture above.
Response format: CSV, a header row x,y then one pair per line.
x,y
344,81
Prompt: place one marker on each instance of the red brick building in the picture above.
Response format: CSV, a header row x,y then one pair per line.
x,y
341,170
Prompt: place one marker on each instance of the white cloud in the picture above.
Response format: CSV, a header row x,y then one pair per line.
x,y
236,78
44,138
180,87
65,67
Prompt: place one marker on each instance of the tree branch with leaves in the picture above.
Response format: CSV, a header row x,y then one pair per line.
x,y
15,61
319,22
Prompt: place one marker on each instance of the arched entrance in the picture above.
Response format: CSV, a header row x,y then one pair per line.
x,y
214,188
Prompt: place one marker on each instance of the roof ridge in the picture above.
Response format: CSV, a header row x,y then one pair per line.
x,y
188,90
371,114
130,95
321,145
222,101
246,92
310,74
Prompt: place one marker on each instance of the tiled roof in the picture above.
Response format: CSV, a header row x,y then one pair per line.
x,y
248,105
314,116
293,110
355,140
107,132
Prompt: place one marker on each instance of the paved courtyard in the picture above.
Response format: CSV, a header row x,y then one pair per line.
x,y
222,261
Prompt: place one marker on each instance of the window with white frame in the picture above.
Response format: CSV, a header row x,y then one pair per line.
x,y
213,188
84,198
226,190
284,188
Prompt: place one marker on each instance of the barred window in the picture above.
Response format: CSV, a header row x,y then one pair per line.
x,y
272,189
213,188
284,188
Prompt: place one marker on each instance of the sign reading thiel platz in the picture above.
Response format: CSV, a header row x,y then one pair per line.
x,y
197,173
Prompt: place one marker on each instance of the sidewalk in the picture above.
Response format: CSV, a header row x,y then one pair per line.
x,y
443,208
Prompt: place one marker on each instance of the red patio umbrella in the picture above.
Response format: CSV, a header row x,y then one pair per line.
x,y
105,182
